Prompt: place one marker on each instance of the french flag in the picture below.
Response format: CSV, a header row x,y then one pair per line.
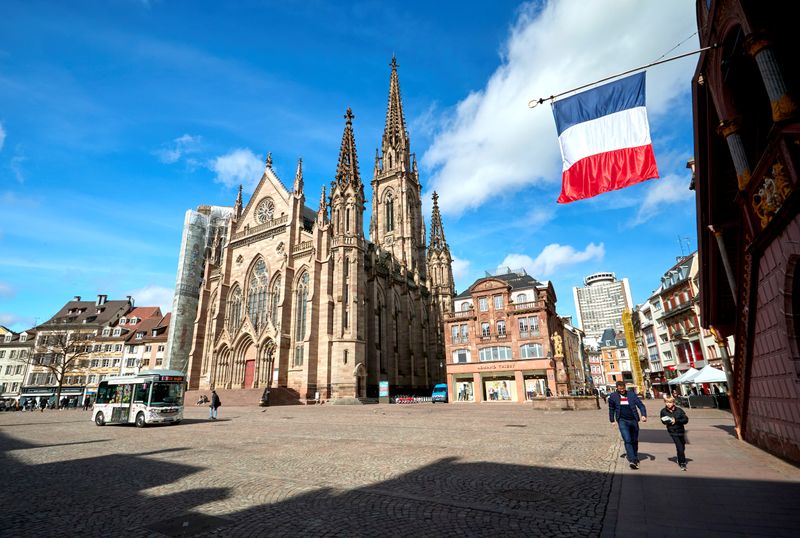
x,y
605,139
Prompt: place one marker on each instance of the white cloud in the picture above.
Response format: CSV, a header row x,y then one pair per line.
x,y
2,136
492,143
15,322
16,164
553,258
6,291
153,295
240,166
460,268
661,192
181,146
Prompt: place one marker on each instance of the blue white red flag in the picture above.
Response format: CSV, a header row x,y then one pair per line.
x,y
605,139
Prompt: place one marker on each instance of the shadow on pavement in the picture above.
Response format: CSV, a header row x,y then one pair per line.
x,y
726,428
128,494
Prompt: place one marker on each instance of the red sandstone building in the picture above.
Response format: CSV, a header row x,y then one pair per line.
x,y
503,341
747,152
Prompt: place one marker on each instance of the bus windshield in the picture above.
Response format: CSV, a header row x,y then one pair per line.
x,y
166,394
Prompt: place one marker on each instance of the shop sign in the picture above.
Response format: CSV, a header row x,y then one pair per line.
x,y
497,366
383,389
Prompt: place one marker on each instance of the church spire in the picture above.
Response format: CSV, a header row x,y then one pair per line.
x,y
347,168
237,207
394,133
437,243
322,212
298,178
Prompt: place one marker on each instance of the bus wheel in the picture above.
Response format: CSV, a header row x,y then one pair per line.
x,y
99,419
140,423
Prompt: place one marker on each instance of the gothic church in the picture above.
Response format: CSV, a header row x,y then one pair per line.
x,y
299,301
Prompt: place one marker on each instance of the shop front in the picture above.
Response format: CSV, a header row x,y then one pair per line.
x,y
500,381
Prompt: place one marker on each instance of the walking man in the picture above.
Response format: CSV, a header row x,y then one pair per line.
x,y
215,403
674,419
624,407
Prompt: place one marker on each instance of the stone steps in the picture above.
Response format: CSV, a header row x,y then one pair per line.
x,y
246,397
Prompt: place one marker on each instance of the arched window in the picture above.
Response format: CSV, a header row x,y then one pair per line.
x,y
235,309
522,298
257,294
274,301
301,312
347,220
466,306
389,205
346,294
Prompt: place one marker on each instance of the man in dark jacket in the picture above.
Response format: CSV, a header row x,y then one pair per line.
x,y
674,418
623,407
215,403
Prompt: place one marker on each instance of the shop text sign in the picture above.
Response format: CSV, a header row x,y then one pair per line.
x,y
383,388
497,366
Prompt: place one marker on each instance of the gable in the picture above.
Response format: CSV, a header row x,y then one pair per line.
x,y
268,187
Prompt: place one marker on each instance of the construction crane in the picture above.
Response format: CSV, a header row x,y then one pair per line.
x,y
633,351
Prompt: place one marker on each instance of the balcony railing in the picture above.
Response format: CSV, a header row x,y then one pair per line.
x,y
529,334
465,314
526,306
251,230
459,339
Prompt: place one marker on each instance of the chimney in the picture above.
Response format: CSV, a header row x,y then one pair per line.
x,y
76,298
101,299
130,299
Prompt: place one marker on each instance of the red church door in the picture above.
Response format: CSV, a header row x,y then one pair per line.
x,y
249,374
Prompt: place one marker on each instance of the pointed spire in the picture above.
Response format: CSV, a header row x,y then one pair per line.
x,y
237,207
438,242
395,129
347,169
322,212
298,177
269,160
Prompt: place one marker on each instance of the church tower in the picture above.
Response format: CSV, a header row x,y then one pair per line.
x,y
396,225
348,349
440,263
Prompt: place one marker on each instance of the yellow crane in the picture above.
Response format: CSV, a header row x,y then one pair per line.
x,y
633,351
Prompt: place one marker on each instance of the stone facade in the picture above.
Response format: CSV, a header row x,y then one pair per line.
x,y
300,302
504,341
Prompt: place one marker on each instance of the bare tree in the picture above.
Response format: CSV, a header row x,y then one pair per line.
x,y
60,354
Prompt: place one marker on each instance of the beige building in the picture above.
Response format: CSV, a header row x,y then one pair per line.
x,y
504,341
300,301
15,348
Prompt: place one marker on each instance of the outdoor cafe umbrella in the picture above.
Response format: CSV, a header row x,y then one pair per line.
x,y
685,375
709,374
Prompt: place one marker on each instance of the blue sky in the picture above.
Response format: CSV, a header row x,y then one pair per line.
x,y
117,116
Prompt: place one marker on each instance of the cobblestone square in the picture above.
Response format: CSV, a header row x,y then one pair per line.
x,y
373,470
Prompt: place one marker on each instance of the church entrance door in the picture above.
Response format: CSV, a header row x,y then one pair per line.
x,y
249,373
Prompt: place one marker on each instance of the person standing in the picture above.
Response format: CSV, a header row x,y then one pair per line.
x,y
624,407
215,403
674,418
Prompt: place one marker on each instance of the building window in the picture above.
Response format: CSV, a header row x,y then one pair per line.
x,y
498,302
531,351
498,353
275,298
461,355
130,363
117,331
106,363
522,298
301,315
235,310
23,337
107,348
483,303
466,306
131,349
106,332
122,321
257,294
501,328
159,361
389,210
528,327
116,363
118,347
148,348
160,348
454,334
92,378
485,329
95,363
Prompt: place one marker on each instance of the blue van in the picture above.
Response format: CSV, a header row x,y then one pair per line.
x,y
439,393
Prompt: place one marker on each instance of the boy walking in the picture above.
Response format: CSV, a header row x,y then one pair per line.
x,y
674,418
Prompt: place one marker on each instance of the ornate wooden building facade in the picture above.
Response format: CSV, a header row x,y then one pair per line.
x,y
747,152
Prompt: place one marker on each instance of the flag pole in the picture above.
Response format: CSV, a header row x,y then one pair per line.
x,y
536,102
